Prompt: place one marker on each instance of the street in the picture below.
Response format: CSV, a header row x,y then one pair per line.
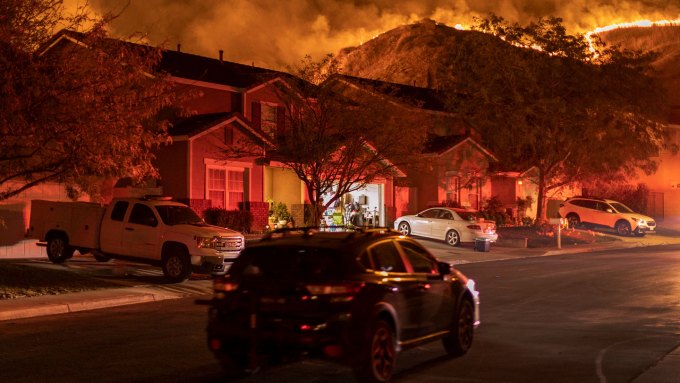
x,y
591,317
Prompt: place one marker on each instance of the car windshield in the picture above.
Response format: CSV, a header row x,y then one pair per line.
x,y
468,215
621,208
297,262
178,215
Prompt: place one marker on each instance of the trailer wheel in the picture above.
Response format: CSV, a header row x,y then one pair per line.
x,y
58,249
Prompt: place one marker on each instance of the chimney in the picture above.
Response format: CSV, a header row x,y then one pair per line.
x,y
179,47
221,55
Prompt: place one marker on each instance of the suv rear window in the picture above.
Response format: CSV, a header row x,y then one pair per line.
x,y
296,262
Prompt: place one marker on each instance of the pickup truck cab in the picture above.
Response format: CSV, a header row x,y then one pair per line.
x,y
153,230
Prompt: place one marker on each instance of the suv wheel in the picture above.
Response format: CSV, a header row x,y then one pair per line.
x,y
378,356
573,220
639,232
459,341
176,264
623,228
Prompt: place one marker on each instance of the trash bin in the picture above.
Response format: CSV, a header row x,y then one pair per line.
x,y
482,244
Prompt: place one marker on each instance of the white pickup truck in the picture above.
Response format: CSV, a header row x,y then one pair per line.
x,y
153,230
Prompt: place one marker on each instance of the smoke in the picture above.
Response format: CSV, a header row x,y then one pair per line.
x,y
276,33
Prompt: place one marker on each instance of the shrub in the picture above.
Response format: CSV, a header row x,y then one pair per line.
x,y
239,220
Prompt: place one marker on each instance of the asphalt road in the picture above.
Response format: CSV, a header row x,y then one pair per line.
x,y
593,317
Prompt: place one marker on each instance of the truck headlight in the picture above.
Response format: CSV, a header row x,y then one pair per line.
x,y
205,242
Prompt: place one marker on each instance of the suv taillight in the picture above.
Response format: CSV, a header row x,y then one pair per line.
x,y
221,285
334,288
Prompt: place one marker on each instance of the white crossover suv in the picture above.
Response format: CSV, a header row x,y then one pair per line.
x,y
606,213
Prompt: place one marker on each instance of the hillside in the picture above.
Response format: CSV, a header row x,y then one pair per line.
x,y
417,54
665,40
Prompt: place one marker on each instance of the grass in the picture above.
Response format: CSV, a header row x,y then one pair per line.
x,y
538,237
22,281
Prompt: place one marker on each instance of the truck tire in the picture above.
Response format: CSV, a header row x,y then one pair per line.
x,y
58,249
176,264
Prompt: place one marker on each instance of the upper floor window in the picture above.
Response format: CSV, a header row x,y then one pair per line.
x,y
269,113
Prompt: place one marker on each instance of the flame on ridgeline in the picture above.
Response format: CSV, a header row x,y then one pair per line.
x,y
640,24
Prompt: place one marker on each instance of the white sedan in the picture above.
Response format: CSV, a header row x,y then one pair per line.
x,y
451,225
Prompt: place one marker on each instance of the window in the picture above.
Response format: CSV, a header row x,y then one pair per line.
x,y
386,258
217,187
445,214
143,215
419,259
452,186
269,118
119,209
431,213
225,188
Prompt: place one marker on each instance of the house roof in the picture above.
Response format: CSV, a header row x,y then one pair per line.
x,y
189,66
439,145
194,67
200,124
424,98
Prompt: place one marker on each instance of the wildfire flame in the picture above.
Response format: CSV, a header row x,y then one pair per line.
x,y
640,23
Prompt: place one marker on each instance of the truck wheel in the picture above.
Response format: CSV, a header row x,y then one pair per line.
x,y
58,249
176,264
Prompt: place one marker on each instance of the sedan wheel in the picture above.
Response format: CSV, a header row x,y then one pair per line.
x,y
404,228
452,238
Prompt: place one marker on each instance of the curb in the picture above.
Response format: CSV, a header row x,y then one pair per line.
x,y
83,301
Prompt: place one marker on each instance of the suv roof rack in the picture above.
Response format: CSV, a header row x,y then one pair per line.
x,y
286,231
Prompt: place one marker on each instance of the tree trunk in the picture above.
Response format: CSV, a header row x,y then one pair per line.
x,y
540,203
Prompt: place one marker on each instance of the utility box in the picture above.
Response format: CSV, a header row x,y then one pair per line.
x,y
482,244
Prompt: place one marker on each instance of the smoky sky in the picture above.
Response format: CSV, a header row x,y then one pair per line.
x,y
277,33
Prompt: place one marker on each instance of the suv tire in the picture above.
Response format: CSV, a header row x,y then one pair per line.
x,y
377,357
623,228
459,340
573,220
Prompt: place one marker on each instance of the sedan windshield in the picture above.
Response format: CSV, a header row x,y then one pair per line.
x,y
178,215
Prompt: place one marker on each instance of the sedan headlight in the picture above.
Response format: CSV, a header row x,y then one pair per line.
x,y
206,242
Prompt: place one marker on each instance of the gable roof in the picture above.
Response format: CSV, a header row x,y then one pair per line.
x,y
186,65
423,98
440,145
198,125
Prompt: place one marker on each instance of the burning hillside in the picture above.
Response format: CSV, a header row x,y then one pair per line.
x,y
417,54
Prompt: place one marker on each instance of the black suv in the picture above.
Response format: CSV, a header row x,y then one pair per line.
x,y
353,297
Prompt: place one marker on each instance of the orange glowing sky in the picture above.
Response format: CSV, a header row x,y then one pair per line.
x,y
276,33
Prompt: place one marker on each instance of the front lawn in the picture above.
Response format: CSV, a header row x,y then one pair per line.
x,y
538,237
21,281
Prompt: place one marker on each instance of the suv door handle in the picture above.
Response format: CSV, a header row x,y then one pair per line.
x,y
129,229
